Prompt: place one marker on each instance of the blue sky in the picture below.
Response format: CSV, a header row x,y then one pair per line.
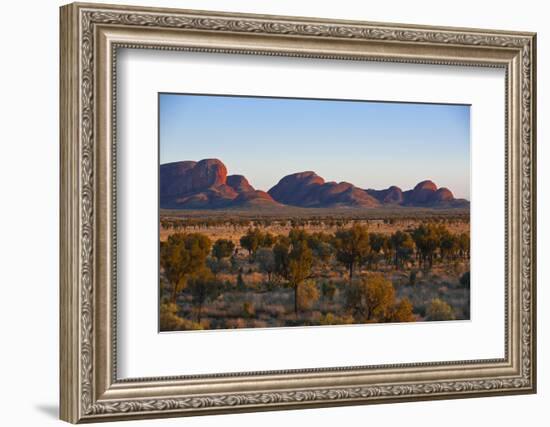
x,y
370,144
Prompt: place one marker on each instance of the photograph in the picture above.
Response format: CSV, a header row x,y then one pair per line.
x,y
280,212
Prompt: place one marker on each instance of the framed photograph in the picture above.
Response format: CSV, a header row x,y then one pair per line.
x,y
266,212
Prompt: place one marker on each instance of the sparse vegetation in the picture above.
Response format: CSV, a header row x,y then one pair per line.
x,y
223,248
181,256
352,247
439,310
232,272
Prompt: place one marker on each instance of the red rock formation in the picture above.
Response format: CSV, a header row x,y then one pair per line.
x,y
296,188
207,173
239,183
174,178
205,185
255,199
307,189
442,195
391,195
422,193
425,185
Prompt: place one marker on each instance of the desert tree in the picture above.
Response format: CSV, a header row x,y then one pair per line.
x,y
254,239
181,255
426,238
266,261
218,265
293,263
307,294
251,240
267,240
402,312
297,235
281,252
223,248
171,321
403,247
352,247
439,310
203,286
371,298
299,268
320,244
387,249
376,241
448,245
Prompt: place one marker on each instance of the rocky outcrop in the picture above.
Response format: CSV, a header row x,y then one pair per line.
x,y
421,194
255,199
174,178
206,185
443,195
392,195
307,189
239,183
297,189
427,194
207,173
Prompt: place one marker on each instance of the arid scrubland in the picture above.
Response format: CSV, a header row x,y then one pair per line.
x,y
233,270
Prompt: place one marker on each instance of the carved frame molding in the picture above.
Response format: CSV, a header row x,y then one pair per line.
x,y
90,37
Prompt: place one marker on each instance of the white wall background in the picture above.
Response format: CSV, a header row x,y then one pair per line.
x,y
29,171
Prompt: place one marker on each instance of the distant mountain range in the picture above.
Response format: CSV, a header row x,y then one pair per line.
x,y
206,185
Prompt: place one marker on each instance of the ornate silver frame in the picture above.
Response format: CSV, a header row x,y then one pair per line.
x,y
90,36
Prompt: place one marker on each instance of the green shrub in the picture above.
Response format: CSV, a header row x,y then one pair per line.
x,y
402,312
170,321
439,310
332,319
